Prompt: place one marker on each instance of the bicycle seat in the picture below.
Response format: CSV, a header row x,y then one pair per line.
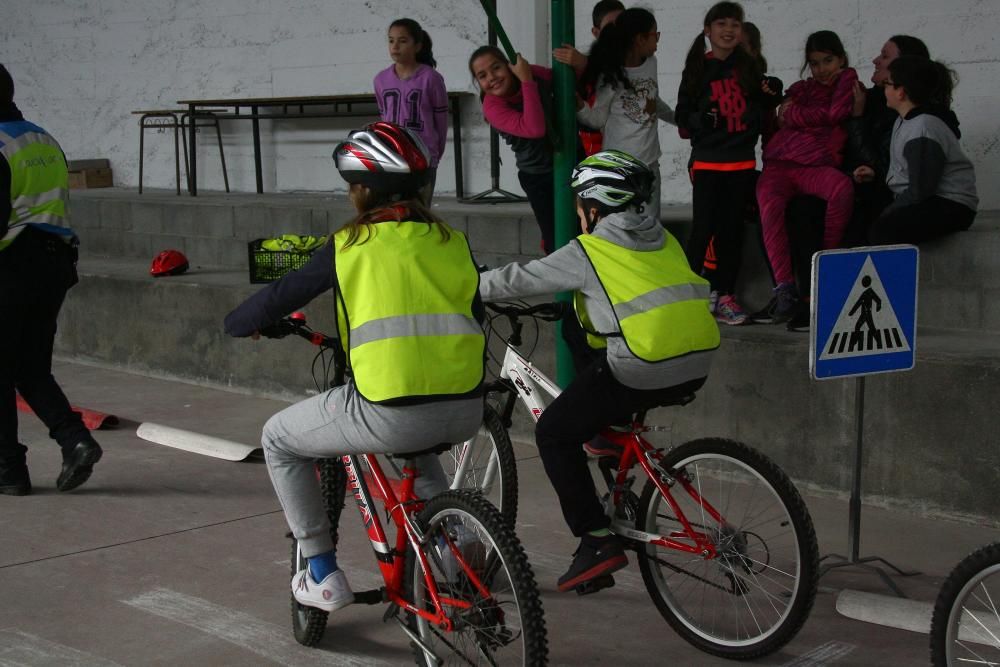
x,y
440,448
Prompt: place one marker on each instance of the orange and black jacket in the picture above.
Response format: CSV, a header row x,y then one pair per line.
x,y
724,121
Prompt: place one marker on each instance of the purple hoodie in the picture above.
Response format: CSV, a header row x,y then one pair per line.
x,y
419,103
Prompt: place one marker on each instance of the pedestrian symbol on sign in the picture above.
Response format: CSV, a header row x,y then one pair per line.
x,y
867,323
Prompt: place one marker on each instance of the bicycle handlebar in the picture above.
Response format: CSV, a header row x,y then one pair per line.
x,y
549,312
296,325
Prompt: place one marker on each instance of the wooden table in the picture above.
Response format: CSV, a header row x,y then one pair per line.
x,y
256,109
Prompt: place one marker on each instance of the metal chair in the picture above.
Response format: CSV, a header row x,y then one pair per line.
x,y
178,121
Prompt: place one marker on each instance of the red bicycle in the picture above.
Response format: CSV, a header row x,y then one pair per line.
x,y
455,575
724,541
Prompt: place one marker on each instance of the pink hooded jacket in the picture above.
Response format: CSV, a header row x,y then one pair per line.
x,y
813,133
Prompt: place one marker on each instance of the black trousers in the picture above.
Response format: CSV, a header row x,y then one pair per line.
x,y
36,270
539,189
720,200
930,219
590,403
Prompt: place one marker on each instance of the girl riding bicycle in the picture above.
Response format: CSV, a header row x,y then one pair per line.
x,y
640,304
408,314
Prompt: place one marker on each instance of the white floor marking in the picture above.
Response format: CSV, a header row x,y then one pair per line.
x,y
887,610
267,640
20,649
825,654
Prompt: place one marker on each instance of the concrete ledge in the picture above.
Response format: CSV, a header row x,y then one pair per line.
x,y
928,446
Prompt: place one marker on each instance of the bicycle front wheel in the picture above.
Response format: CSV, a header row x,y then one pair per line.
x,y
309,623
965,628
486,587
753,596
486,464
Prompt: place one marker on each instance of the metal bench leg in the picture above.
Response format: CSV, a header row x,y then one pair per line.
x,y
187,169
222,155
142,132
177,155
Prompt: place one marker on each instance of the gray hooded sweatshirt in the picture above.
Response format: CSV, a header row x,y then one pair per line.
x,y
568,269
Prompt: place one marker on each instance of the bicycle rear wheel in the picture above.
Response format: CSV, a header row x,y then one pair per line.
x,y
309,623
491,467
504,624
755,594
965,628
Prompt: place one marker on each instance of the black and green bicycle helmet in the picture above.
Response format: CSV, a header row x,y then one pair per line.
x,y
612,180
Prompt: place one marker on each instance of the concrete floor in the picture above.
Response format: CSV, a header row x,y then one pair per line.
x,y
166,557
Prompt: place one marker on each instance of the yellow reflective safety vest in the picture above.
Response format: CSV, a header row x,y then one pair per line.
x,y
404,310
660,305
39,181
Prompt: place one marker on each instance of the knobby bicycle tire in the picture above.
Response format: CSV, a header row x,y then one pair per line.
x,y
498,440
487,521
309,623
965,602
745,562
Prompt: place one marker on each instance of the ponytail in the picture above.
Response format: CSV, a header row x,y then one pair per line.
x,y
694,67
425,55
606,59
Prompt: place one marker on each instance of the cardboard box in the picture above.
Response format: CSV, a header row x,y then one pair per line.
x,y
89,174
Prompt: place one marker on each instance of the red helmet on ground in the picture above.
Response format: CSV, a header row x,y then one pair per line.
x,y
385,157
169,263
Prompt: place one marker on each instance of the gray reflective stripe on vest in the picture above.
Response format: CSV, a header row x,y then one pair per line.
x,y
5,138
28,201
401,326
14,145
661,296
41,218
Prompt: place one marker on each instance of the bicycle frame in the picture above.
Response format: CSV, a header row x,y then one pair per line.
x,y
519,378
392,559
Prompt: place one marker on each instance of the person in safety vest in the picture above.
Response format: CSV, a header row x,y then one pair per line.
x,y
37,267
642,306
409,317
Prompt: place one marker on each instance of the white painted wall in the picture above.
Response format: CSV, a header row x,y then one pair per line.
x,y
81,67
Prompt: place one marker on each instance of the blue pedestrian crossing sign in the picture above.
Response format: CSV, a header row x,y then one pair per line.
x,y
864,311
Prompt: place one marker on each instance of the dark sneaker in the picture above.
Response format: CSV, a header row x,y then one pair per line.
x,y
14,479
800,320
78,463
786,301
766,314
595,557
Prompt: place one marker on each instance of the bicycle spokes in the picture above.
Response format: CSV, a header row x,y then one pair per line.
x,y
474,590
741,583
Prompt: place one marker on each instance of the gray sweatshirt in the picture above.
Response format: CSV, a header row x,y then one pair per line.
x,y
568,269
926,160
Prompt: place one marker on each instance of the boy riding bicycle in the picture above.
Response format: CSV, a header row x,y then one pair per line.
x,y
641,307
409,315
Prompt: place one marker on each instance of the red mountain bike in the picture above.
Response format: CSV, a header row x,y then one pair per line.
x,y
456,578
724,541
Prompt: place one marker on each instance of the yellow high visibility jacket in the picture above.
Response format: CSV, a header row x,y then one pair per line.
x,y
404,309
660,305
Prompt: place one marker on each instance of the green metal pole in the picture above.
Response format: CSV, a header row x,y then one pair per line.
x,y
564,80
489,6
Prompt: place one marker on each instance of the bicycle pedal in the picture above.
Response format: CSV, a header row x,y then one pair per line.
x,y
374,596
595,584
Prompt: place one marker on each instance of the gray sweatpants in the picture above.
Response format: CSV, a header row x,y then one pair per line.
x,y
340,422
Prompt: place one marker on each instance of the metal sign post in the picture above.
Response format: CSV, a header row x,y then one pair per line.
x,y
863,317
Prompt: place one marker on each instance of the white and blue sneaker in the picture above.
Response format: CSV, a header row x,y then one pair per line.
x,y
331,594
